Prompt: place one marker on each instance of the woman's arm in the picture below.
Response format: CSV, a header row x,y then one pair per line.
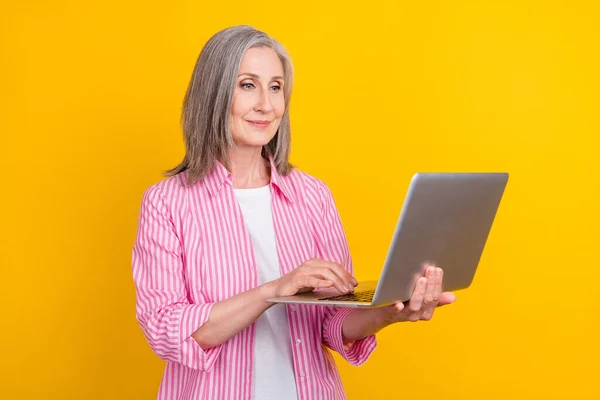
x,y
230,316
360,324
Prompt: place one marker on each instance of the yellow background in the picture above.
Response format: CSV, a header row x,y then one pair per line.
x,y
90,99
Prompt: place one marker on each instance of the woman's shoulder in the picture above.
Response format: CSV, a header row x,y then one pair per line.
x,y
167,192
171,184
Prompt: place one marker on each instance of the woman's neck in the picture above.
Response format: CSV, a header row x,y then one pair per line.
x,y
248,168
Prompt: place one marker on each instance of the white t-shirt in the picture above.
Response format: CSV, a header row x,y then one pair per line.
x,y
273,361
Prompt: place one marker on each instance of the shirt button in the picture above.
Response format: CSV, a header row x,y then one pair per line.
x,y
298,341
293,308
302,374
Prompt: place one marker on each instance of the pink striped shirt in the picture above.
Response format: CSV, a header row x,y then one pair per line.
x,y
192,250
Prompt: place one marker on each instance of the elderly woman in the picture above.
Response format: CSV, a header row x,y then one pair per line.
x,y
235,224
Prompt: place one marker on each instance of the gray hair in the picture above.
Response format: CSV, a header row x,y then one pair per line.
x,y
208,101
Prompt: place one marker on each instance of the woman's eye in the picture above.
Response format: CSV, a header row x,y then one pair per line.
x,y
276,88
247,85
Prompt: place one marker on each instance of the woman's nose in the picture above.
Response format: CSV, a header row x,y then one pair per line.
x,y
264,102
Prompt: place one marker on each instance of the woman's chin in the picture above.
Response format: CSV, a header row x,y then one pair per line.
x,y
254,141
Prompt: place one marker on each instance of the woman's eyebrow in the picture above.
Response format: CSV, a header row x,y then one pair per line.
x,y
257,77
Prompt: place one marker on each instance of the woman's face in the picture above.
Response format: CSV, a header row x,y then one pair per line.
x,y
258,102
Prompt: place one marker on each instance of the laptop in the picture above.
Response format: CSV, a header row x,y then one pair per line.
x,y
445,221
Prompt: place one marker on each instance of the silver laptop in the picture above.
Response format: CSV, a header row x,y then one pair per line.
x,y
445,221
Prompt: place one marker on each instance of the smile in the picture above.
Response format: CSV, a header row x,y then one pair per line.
x,y
259,124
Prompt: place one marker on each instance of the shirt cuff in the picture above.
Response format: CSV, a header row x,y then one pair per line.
x,y
355,352
191,354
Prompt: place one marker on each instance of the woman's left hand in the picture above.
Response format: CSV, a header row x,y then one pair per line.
x,y
426,296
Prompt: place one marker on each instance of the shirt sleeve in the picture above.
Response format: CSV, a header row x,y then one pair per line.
x,y
333,246
163,309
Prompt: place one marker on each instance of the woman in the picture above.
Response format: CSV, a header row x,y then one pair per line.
x,y
234,225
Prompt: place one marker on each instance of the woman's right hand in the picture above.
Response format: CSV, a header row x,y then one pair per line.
x,y
314,273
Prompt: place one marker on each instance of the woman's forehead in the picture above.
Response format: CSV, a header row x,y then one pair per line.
x,y
261,61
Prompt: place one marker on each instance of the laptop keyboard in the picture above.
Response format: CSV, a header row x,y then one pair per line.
x,y
363,296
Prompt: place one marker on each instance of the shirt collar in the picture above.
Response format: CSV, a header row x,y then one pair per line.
x,y
221,175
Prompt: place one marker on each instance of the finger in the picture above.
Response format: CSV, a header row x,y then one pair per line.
x,y
328,274
446,298
341,271
352,279
313,281
428,299
341,274
439,278
416,300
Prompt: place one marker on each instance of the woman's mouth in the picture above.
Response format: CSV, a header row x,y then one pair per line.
x,y
261,124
